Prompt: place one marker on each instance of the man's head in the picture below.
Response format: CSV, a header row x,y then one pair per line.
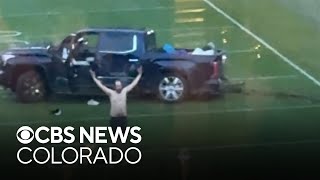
x,y
118,86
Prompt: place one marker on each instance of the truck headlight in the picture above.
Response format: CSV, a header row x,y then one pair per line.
x,y
5,58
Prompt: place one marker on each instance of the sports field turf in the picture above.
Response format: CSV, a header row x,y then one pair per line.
x,y
282,99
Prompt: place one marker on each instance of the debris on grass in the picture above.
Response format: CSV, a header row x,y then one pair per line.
x,y
93,102
56,112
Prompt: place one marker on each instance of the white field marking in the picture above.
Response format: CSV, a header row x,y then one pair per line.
x,y
189,20
185,11
133,9
190,34
183,113
265,78
6,34
241,51
55,13
284,58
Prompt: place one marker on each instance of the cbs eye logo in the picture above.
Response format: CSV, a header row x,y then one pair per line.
x,y
25,135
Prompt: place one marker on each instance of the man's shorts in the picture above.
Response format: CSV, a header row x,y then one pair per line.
x,y
120,121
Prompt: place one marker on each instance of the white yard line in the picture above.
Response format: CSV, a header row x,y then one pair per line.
x,y
55,13
241,51
6,34
183,113
263,42
189,34
266,78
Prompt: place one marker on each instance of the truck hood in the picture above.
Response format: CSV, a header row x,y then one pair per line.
x,y
30,50
33,51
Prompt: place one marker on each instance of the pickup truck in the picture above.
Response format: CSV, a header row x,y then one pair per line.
x,y
33,73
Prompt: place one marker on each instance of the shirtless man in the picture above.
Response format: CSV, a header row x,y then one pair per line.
x,y
118,99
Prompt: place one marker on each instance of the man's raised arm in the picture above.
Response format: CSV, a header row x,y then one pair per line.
x,y
135,81
99,84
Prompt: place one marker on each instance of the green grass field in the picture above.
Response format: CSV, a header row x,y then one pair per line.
x,y
268,116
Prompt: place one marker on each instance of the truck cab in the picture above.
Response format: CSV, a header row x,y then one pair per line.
x,y
112,53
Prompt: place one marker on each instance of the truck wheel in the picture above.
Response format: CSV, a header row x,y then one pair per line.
x,y
30,87
172,88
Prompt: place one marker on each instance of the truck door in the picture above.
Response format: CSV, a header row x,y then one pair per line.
x,y
59,69
83,54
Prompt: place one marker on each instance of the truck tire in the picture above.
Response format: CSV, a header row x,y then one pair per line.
x,y
172,88
30,87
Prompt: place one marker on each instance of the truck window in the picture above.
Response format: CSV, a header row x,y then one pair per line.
x,y
118,42
86,46
92,40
